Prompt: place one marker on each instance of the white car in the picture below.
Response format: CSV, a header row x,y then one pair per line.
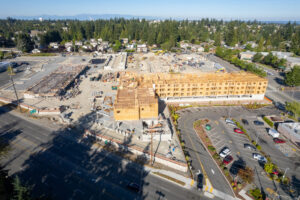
x,y
230,122
259,157
225,152
273,133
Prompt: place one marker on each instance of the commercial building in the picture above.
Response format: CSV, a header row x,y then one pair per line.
x,y
176,88
290,131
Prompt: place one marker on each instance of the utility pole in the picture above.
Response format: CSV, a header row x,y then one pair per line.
x,y
285,173
151,149
11,73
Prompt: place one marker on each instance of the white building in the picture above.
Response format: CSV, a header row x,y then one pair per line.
x,y
78,43
142,48
290,131
292,61
248,55
54,45
281,54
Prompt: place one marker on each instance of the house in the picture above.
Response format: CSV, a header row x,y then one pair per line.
x,y
69,46
35,33
124,40
130,46
142,48
65,28
78,43
36,51
99,40
54,45
94,44
292,61
92,40
248,55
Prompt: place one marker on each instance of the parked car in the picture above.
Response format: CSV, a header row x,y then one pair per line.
x,y
200,181
224,152
273,133
245,121
228,159
134,187
278,141
259,157
208,127
258,123
230,122
237,130
250,147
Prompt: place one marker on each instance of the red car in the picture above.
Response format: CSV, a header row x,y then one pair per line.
x,y
278,141
237,130
228,159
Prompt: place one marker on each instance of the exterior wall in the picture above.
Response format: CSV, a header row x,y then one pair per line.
x,y
158,158
210,89
149,111
127,114
257,97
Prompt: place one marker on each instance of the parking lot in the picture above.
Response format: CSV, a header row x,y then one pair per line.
x,y
222,135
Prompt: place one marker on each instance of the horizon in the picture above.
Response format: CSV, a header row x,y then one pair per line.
x,y
261,10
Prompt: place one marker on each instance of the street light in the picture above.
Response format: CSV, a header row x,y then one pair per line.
x,y
285,173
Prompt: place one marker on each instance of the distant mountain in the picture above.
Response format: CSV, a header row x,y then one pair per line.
x,y
85,17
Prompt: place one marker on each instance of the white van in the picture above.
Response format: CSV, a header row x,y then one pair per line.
x,y
273,133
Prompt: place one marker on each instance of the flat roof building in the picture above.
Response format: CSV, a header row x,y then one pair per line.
x,y
290,131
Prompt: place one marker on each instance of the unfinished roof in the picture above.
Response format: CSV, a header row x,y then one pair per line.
x,y
166,78
133,97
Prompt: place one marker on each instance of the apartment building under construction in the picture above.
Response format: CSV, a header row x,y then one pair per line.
x,y
205,87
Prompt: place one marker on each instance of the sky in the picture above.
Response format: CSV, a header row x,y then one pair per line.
x,y
191,9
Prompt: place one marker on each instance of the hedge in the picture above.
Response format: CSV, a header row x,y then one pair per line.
x,y
268,121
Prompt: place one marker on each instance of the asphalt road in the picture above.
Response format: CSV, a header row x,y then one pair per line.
x,y
198,153
61,165
227,137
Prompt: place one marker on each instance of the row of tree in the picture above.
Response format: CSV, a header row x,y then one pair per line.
x,y
271,60
166,33
232,57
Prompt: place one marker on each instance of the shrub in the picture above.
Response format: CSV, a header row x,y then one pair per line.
x,y
268,121
258,147
256,193
216,156
211,148
247,174
239,186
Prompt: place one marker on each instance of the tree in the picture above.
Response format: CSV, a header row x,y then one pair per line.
x,y
293,107
261,44
246,174
1,55
24,43
20,192
257,57
117,46
292,78
269,167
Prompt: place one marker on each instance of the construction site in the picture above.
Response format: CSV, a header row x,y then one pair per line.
x,y
56,83
162,62
176,87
